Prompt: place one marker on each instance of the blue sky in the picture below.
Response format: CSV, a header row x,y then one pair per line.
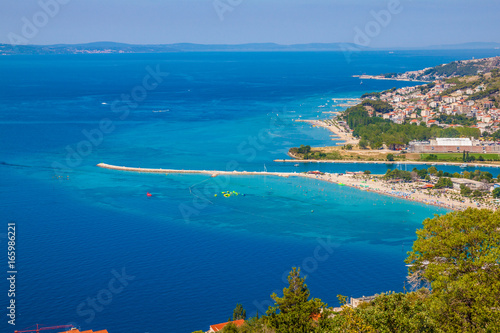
x,y
414,23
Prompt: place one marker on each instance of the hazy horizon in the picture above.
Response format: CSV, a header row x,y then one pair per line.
x,y
237,44
374,24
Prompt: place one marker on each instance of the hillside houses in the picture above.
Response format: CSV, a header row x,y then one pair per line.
x,y
416,105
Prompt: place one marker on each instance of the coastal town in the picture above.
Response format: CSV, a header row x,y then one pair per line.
x,y
455,120
473,96
417,106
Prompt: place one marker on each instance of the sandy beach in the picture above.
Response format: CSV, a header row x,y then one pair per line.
x,y
380,77
407,191
332,127
373,183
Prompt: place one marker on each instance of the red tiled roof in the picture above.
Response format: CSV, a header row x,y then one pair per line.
x,y
219,327
88,331
316,316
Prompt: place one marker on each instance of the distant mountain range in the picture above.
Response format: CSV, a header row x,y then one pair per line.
x,y
465,46
111,47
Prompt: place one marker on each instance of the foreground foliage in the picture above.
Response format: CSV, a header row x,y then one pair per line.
x,y
459,255
456,258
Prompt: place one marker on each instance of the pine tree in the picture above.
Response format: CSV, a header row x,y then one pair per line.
x,y
239,312
294,312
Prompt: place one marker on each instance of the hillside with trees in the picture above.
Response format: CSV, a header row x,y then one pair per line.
x,y
376,131
368,122
454,69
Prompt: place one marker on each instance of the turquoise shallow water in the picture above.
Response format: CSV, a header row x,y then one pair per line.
x,y
188,251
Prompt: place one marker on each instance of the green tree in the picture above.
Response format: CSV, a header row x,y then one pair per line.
x,y
254,325
465,190
390,157
293,313
375,145
367,172
496,193
363,144
486,175
422,173
444,182
230,328
431,157
399,312
396,173
432,170
458,254
477,194
239,312
304,149
449,132
348,320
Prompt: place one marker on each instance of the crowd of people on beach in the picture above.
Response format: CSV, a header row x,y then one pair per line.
x,y
406,191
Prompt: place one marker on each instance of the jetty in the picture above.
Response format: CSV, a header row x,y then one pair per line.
x,y
372,183
203,172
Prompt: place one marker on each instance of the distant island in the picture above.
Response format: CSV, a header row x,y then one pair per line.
x,y
112,47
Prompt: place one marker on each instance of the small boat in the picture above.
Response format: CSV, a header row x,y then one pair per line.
x,y
463,166
149,194
296,165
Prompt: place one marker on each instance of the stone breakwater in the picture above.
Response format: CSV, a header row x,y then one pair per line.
x,y
206,172
371,183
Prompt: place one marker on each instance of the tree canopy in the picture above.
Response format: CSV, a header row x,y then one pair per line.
x,y
374,131
459,255
239,312
294,312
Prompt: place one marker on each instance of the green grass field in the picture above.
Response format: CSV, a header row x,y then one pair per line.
x,y
459,156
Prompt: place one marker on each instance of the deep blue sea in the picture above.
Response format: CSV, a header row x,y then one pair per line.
x,y
94,250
